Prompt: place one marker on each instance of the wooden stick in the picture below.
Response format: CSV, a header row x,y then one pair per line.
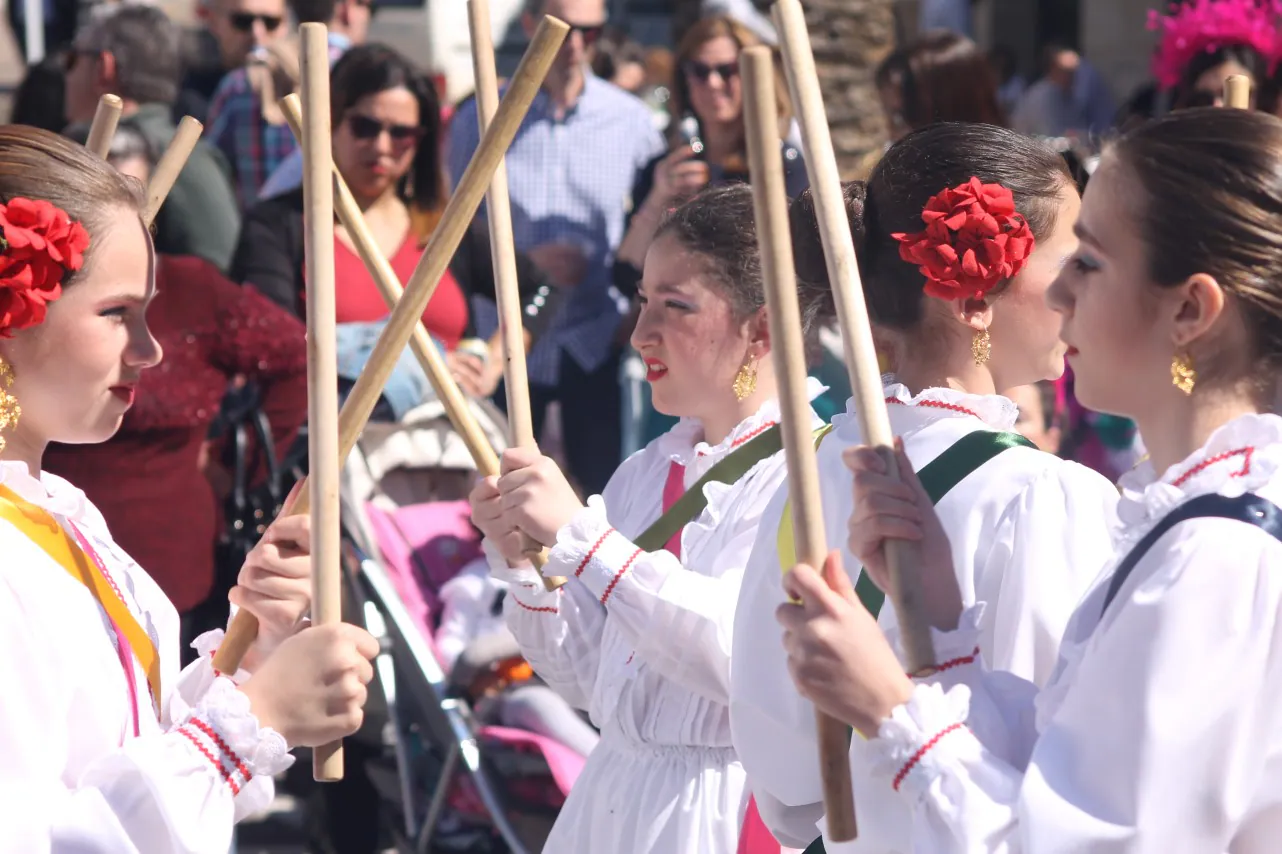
x,y
516,382
502,242
166,172
389,287
322,353
902,557
429,357
455,221
1237,92
770,207
103,129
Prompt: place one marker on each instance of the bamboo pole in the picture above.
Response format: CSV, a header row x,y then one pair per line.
x,y
103,129
502,243
322,354
407,315
429,358
902,557
516,381
171,163
770,207
1237,92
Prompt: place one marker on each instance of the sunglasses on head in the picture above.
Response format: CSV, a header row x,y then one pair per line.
x,y
244,21
365,128
589,34
702,72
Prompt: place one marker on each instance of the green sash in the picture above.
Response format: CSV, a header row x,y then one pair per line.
x,y
691,503
938,477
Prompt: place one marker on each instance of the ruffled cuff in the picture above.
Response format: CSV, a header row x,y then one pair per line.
x,y
955,649
923,738
589,549
206,646
525,586
499,570
226,733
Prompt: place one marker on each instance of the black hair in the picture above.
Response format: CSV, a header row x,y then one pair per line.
x,y
912,170
719,226
366,70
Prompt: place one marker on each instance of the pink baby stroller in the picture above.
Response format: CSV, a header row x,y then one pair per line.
x,y
461,785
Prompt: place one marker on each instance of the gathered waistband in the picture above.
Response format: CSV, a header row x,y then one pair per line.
x,y
615,741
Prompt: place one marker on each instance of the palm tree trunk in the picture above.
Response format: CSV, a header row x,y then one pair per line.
x,y
849,38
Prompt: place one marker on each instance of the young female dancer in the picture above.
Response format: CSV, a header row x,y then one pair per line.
x,y
104,745
1158,731
1028,529
640,635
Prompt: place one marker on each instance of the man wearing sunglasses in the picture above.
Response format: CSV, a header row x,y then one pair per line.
x,y
245,122
232,29
571,170
348,23
239,26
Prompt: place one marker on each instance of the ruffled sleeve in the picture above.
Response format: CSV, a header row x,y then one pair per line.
x,y
178,789
679,619
1117,758
1048,548
560,631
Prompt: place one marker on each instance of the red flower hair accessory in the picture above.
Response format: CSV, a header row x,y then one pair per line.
x,y
39,246
973,240
1205,26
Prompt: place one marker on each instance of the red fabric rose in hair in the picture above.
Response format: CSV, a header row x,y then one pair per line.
x,y
39,245
973,240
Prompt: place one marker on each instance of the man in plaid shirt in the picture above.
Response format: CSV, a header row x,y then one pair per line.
x,y
571,170
254,145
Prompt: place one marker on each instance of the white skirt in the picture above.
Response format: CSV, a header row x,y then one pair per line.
x,y
636,798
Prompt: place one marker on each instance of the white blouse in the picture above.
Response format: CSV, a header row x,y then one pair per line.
x,y
73,777
1159,731
642,641
1028,533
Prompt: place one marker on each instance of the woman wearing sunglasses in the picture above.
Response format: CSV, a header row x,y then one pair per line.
x,y
706,137
386,144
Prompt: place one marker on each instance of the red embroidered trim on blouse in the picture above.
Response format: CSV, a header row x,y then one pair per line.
x,y
1219,458
925,748
543,609
213,760
592,552
751,435
226,761
223,746
936,404
627,564
947,665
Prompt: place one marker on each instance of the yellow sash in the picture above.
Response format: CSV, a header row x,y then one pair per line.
x,y
786,538
43,530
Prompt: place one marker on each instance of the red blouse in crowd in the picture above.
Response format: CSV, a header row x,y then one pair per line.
x,y
146,480
358,300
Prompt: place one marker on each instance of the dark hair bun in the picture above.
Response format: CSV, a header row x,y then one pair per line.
x,y
912,170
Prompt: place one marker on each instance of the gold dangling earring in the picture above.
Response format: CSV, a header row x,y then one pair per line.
x,y
745,382
981,347
1183,374
10,411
